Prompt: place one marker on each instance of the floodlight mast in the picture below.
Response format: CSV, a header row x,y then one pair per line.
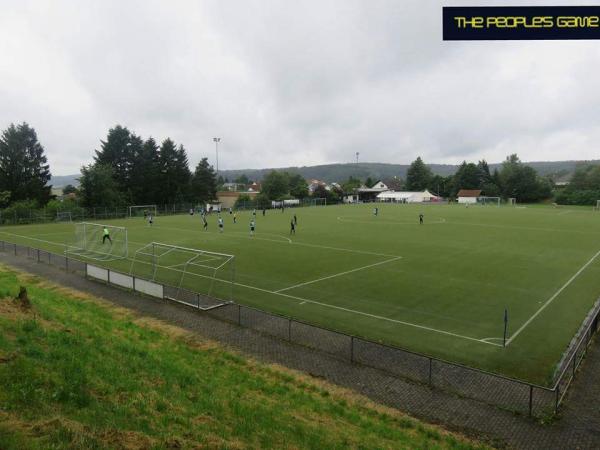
x,y
216,141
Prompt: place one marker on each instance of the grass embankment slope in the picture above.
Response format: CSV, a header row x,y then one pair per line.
x,y
79,373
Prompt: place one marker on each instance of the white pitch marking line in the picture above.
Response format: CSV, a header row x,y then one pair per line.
x,y
338,274
551,299
327,305
303,300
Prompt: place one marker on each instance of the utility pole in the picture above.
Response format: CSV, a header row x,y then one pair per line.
x,y
216,141
357,157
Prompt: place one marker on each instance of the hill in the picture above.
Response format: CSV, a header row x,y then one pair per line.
x,y
340,172
560,170
76,372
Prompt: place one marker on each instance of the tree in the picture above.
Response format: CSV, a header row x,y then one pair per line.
x,y
145,171
24,169
351,184
204,184
174,173
584,188
297,186
98,187
442,186
468,176
521,181
418,176
70,189
322,192
275,185
242,179
369,182
116,152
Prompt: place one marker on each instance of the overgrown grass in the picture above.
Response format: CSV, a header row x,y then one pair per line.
x,y
77,373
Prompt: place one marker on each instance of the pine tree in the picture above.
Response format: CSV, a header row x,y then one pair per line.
x,y
116,152
145,171
418,176
204,184
24,169
174,173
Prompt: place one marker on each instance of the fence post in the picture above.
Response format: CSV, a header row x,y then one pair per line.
x,y
38,255
66,264
557,398
530,400
574,362
289,329
430,371
239,314
15,249
198,300
351,349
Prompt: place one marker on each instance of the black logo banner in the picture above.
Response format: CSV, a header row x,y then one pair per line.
x,y
491,23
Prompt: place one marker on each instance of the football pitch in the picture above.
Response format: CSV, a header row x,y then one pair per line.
x,y
440,288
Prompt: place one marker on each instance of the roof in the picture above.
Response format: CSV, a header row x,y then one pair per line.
x,y
406,194
469,193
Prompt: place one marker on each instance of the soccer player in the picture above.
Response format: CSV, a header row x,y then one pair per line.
x,y
292,227
375,211
150,220
252,227
145,214
421,219
295,220
220,224
234,217
254,212
205,223
264,211
230,211
106,235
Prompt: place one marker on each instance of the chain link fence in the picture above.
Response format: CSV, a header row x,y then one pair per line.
x,y
504,392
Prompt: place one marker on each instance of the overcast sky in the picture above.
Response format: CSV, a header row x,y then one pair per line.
x,y
292,82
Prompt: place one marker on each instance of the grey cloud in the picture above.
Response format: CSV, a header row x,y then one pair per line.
x,y
291,83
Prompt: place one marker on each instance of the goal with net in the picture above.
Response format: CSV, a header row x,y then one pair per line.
x,y
190,275
488,201
90,242
142,210
63,216
321,201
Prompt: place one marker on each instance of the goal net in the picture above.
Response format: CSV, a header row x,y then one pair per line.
x,y
142,210
90,242
488,201
193,276
318,201
63,216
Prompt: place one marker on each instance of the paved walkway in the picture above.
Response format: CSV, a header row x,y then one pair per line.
x,y
578,426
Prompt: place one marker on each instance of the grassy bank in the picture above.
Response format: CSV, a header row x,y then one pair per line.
x,y
78,373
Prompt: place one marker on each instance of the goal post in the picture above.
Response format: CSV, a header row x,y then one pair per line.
x,y
488,201
63,216
597,207
138,210
89,242
321,201
192,276
512,201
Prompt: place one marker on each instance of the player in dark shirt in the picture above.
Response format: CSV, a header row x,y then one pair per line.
x,y
421,219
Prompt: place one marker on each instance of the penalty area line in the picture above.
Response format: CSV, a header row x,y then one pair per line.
x,y
338,274
551,299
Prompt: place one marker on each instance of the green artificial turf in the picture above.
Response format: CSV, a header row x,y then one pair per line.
x,y
440,288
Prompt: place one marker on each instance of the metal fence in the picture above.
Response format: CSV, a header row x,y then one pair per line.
x,y
504,392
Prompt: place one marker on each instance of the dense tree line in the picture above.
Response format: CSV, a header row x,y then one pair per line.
x,y
128,170
584,188
514,179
